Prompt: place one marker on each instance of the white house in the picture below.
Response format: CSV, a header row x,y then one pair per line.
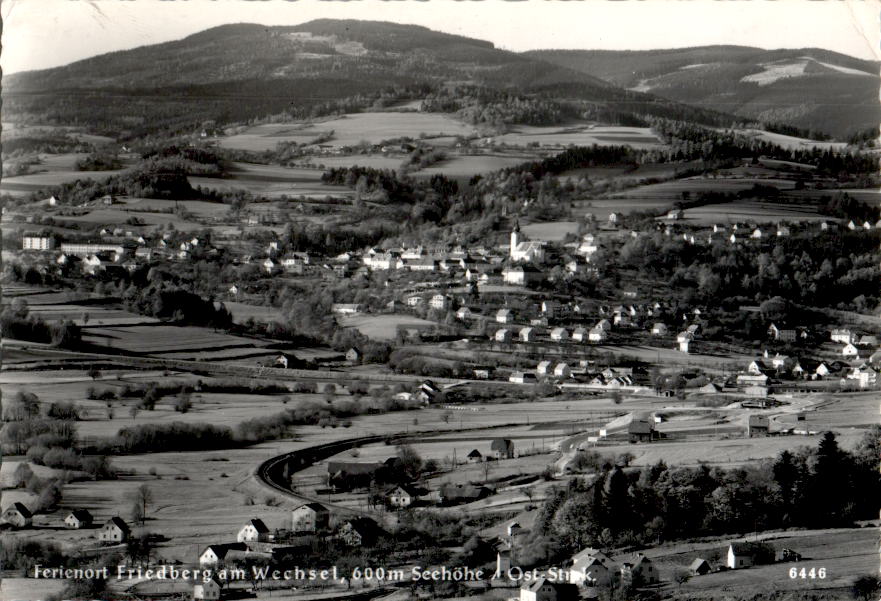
x,y
739,556
597,334
544,368
561,370
559,334
502,335
504,316
659,329
207,590
850,350
254,531
527,334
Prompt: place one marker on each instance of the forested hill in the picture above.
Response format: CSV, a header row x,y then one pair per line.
x,y
809,88
236,72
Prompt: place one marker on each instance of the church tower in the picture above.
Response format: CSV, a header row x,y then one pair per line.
x,y
515,238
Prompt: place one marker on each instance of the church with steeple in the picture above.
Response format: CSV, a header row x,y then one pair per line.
x,y
525,250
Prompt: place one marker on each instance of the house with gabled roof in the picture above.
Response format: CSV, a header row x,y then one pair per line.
x,y
740,555
640,571
360,532
78,518
115,530
214,554
208,590
545,589
502,448
310,517
699,567
253,531
17,515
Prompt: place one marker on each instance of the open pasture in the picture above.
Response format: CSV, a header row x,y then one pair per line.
x,y
372,161
155,340
381,327
672,190
790,142
243,311
551,231
90,315
580,134
272,181
470,165
601,208
52,170
845,553
349,130
752,211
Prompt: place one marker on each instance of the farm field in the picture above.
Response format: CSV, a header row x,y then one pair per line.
x,y
381,327
845,553
552,231
373,161
790,142
163,339
90,314
672,190
601,208
752,211
349,130
580,134
243,311
463,166
53,169
272,181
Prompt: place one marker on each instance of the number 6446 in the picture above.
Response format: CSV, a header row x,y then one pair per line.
x,y
805,573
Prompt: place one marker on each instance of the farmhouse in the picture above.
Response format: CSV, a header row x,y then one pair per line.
x,y
214,554
208,590
78,518
521,275
597,334
502,448
521,377
562,370
464,313
641,429
474,456
591,566
360,532
757,425
504,316
527,334
254,531
310,517
580,334
740,555
348,475
641,571
17,515
440,301
353,356
849,350
115,530
543,589
403,496
843,335
502,335
559,334
699,567
659,329
544,368
785,335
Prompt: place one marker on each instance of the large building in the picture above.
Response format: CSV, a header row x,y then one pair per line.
x,y
83,249
525,250
37,242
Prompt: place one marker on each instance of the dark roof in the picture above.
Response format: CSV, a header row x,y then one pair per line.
x,y
698,562
502,444
316,507
475,453
221,550
640,427
352,468
259,526
118,522
758,421
20,508
366,527
82,515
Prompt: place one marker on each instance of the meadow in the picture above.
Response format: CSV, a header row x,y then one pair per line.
x,y
381,327
349,130
158,339
466,166
580,134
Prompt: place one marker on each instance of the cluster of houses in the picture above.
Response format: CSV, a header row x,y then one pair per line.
x,y
113,531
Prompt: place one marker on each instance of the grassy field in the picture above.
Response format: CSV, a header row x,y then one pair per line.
x,y
243,311
373,161
752,211
552,231
381,327
465,166
845,553
273,181
53,169
348,130
580,134
163,339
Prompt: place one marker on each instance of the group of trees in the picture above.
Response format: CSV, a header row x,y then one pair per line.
x,y
815,488
17,322
167,301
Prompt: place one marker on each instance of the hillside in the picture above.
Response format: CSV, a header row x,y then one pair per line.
x,y
242,71
808,88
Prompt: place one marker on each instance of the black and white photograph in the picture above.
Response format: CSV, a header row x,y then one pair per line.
x,y
409,300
